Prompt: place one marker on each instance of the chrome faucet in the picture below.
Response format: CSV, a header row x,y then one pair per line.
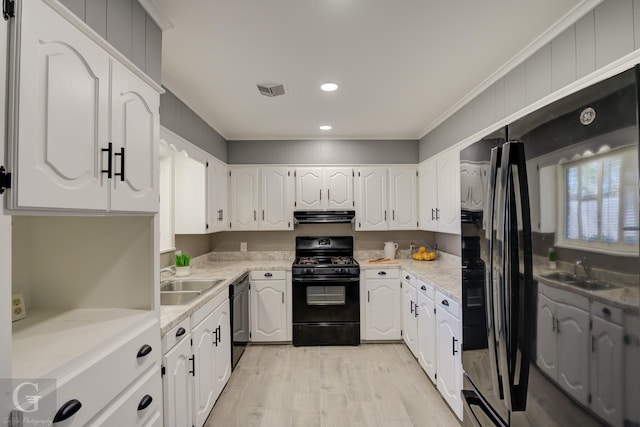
x,y
171,270
582,262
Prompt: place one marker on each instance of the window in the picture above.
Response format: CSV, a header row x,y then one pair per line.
x,y
600,206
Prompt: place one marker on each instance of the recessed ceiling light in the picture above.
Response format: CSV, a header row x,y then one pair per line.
x,y
325,127
329,87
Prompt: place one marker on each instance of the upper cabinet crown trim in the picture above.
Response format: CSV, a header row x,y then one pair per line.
x,y
86,30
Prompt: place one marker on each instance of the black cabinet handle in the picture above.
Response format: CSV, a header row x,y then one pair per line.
x,y
385,214
144,350
437,214
193,365
606,311
382,273
411,310
415,309
445,302
423,287
217,334
368,296
393,214
180,332
254,215
453,342
408,277
121,173
321,194
263,214
109,151
432,214
268,275
145,402
67,410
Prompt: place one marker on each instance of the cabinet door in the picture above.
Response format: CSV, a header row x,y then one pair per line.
x,y
573,351
606,370
222,347
309,185
339,185
244,199
383,309
428,188
276,210
427,336
176,384
448,213
166,211
404,198
448,358
204,380
268,310
218,181
190,208
58,124
135,112
547,349
371,206
409,320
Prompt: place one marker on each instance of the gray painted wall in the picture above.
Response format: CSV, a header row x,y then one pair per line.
x,y
317,152
179,118
607,33
126,25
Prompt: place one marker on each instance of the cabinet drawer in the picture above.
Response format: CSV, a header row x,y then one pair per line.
x,y
387,273
607,312
409,278
447,304
268,275
426,289
137,405
97,382
208,308
175,335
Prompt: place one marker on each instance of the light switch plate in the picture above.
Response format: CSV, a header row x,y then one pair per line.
x,y
243,246
18,310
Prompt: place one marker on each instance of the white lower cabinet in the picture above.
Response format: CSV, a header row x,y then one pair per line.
x,y
409,312
564,340
197,364
606,369
381,316
449,348
427,329
270,301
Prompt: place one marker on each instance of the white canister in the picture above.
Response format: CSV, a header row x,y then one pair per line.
x,y
390,249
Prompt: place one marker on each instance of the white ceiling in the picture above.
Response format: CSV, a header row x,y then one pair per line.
x,y
400,64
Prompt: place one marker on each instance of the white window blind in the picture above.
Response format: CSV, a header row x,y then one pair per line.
x,y
601,202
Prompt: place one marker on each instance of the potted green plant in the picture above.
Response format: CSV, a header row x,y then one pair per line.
x,y
182,264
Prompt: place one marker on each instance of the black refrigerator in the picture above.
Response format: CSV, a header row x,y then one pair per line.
x,y
550,264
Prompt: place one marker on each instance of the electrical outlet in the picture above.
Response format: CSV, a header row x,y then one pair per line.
x,y
17,307
243,246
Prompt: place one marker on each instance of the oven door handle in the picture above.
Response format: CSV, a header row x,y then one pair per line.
x,y
326,280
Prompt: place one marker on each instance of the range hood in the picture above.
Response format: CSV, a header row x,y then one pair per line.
x,y
323,217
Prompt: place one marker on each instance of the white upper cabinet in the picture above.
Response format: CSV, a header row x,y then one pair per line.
x,y
439,179
275,199
320,188
190,194
67,147
371,199
244,199
403,196
261,198
135,129
166,211
386,198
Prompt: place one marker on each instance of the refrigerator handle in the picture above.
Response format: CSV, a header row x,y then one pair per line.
x,y
511,346
490,282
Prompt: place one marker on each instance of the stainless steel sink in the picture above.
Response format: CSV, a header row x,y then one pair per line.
x,y
178,298
188,284
587,284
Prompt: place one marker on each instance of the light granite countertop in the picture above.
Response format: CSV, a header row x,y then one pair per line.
x,y
443,274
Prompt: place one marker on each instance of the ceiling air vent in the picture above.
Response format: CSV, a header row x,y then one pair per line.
x,y
271,89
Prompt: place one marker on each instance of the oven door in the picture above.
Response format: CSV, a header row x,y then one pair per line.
x,y
326,300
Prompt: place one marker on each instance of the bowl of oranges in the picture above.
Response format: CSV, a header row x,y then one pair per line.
x,y
424,253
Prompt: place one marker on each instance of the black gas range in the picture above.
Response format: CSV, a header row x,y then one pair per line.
x,y
326,292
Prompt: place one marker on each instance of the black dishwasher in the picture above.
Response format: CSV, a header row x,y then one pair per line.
x,y
239,303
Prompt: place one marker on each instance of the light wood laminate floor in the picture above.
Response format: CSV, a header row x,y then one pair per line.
x,y
369,385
